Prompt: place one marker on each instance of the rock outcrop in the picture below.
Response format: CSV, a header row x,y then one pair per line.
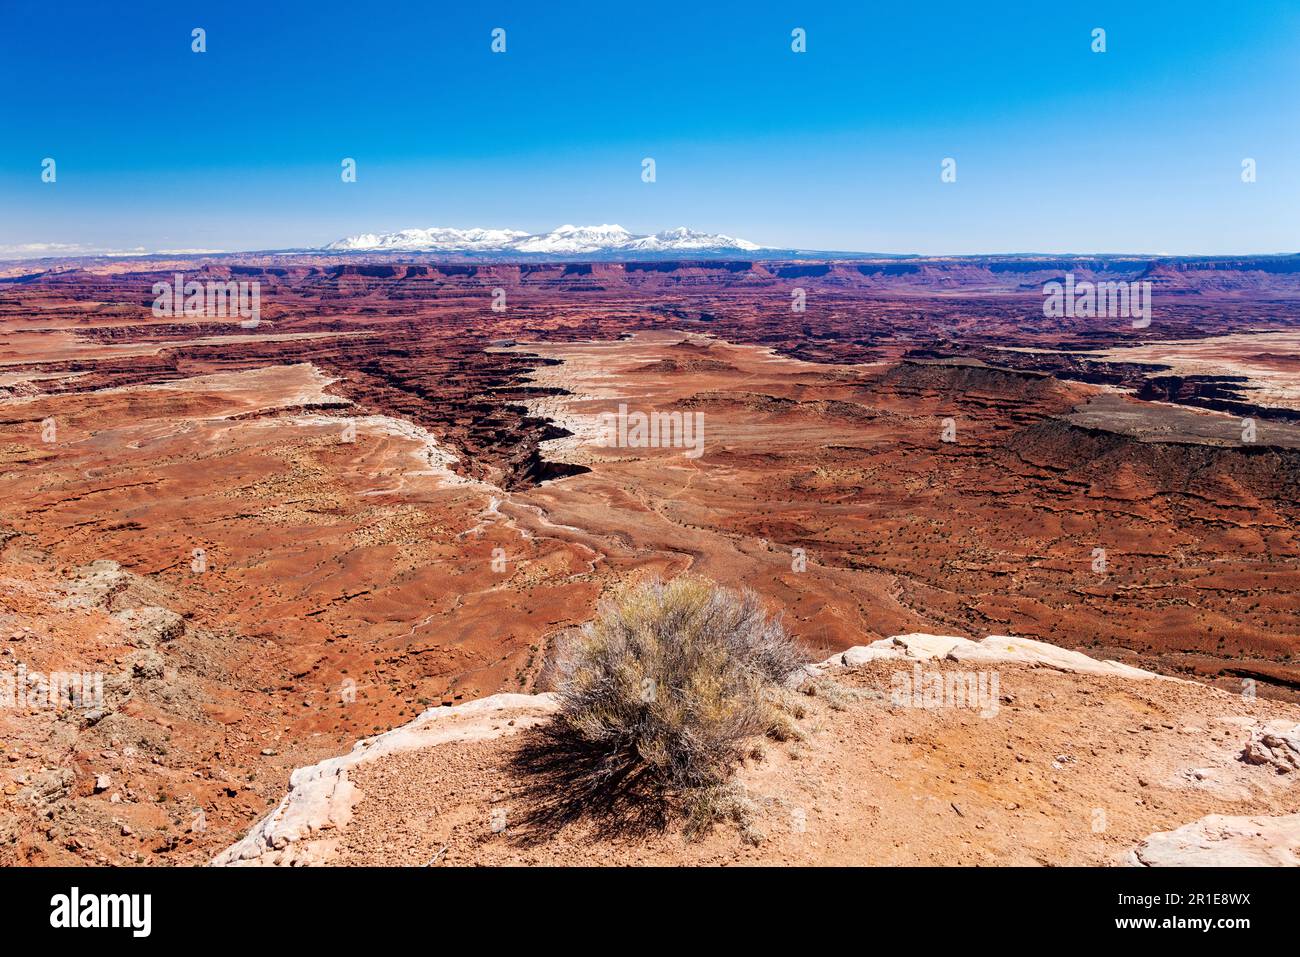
x,y
152,624
995,649
1222,841
1276,743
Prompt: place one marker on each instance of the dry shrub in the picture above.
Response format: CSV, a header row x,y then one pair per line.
x,y
725,802
670,680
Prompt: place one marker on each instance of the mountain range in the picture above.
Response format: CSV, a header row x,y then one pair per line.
x,y
561,241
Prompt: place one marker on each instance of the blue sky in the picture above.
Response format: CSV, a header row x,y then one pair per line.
x,y
1058,149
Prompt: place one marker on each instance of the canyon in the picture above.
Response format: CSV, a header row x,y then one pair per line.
x,y
390,498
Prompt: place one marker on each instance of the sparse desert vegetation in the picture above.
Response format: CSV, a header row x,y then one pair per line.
x,y
677,677
663,693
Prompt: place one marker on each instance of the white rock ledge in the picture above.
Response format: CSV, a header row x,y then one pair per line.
x,y
995,649
302,828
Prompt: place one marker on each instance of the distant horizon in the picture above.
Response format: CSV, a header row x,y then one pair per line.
x,y
13,254
764,252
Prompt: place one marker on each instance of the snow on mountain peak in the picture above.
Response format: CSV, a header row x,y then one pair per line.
x,y
684,238
436,238
576,239
563,240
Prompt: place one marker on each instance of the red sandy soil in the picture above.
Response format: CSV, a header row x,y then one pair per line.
x,y
368,565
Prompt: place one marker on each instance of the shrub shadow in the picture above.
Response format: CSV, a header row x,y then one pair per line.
x,y
563,779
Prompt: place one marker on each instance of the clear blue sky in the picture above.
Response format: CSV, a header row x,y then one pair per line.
x,y
1138,149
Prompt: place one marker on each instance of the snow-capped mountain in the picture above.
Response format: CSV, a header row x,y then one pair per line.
x,y
561,241
683,238
576,239
436,238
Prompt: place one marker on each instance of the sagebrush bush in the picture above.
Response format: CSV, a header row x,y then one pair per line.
x,y
674,678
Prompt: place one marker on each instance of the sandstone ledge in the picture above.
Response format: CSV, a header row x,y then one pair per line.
x,y
321,798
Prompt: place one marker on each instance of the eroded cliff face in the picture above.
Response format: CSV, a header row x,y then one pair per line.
x,y
1242,475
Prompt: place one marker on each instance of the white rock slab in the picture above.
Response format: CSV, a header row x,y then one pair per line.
x,y
998,649
1222,841
995,649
